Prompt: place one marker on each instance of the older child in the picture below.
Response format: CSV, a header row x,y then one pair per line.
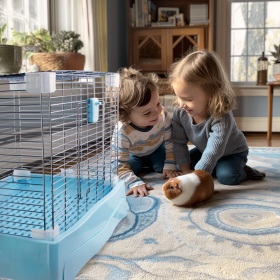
x,y
204,117
143,133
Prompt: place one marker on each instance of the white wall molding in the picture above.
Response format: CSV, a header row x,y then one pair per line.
x,y
257,124
254,91
250,124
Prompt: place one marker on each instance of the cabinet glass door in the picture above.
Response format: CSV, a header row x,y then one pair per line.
x,y
150,49
182,41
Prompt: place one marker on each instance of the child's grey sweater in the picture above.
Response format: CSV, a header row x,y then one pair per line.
x,y
214,138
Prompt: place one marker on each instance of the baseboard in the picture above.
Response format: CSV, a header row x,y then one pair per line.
x,y
257,124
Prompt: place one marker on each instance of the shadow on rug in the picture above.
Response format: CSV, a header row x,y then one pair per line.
x,y
235,235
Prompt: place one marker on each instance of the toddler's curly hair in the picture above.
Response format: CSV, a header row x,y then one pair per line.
x,y
135,90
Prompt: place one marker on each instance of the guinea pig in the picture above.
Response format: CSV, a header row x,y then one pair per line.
x,y
190,189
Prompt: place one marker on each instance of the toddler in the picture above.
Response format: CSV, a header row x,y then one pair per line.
x,y
204,117
143,133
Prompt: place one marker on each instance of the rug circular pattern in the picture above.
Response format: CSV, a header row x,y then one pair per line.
x,y
247,222
234,235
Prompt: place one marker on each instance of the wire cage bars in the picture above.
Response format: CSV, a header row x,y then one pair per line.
x,y
56,162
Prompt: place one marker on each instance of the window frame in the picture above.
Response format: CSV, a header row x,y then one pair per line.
x,y
223,36
9,16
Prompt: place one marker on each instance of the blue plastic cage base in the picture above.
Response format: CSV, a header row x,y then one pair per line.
x,y
23,258
24,207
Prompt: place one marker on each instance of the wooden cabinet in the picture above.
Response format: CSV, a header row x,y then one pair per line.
x,y
154,49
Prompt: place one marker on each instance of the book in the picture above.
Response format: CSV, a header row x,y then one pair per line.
x,y
138,13
198,12
142,13
203,22
145,12
151,12
132,15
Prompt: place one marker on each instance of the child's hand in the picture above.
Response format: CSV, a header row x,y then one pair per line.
x,y
167,173
187,171
142,190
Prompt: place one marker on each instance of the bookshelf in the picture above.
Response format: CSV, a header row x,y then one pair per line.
x,y
155,44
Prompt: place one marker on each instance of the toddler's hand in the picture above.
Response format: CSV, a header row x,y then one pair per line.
x,y
142,190
167,173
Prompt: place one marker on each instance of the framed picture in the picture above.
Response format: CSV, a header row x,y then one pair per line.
x,y
179,19
172,21
165,12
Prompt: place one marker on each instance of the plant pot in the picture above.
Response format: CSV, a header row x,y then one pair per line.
x,y
276,71
74,61
10,59
58,61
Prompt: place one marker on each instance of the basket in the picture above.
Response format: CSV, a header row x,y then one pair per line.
x,y
58,61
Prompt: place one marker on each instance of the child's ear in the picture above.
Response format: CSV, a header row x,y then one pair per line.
x,y
124,114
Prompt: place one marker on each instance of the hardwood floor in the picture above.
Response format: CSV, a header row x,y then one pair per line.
x,y
258,139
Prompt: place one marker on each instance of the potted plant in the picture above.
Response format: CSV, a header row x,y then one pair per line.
x,y
45,52
66,45
40,39
10,55
33,42
69,43
276,65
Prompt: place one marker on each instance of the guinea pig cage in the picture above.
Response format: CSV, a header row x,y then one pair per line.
x,y
60,196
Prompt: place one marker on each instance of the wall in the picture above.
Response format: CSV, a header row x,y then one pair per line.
x,y
117,15
251,114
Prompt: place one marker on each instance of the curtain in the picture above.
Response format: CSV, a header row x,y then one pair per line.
x,y
100,32
89,19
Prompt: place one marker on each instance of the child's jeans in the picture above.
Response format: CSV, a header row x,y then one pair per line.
x,y
149,163
229,169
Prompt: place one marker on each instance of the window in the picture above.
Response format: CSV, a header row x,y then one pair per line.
x,y
23,15
255,27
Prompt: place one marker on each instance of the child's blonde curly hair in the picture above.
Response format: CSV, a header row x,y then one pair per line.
x,y
204,69
135,90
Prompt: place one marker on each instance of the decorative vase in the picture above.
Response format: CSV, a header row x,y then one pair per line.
x,y
10,59
58,61
262,70
276,71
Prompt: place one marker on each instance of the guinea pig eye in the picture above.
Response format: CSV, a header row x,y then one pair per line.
x,y
171,187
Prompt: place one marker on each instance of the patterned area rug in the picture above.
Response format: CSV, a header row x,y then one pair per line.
x,y
235,235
